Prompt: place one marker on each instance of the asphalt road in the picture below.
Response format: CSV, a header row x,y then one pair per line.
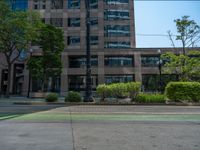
x,y
53,127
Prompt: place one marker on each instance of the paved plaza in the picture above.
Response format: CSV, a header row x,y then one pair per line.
x,y
50,127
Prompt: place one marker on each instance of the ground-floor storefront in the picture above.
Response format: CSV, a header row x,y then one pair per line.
x,y
108,66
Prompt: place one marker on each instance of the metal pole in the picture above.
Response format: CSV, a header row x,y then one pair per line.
x,y
88,90
29,78
160,71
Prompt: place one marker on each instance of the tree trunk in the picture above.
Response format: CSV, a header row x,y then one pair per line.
x,y
8,83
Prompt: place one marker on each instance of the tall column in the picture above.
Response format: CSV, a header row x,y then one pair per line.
x,y
138,69
101,72
12,79
0,80
25,83
64,75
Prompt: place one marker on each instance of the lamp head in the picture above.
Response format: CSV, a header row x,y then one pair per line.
x,y
159,51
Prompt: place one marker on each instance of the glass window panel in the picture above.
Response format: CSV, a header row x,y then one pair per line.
x,y
73,4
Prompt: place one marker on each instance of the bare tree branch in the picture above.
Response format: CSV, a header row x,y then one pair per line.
x,y
170,37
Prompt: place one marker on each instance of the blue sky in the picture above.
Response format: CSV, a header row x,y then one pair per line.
x,y
157,17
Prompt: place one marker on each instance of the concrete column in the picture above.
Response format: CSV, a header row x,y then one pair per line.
x,y
64,75
101,24
26,81
101,72
0,79
137,60
12,79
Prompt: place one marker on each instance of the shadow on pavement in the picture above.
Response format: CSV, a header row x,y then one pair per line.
x,y
11,111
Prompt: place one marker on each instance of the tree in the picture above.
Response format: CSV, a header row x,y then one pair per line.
x,y
188,33
185,64
49,65
187,67
17,30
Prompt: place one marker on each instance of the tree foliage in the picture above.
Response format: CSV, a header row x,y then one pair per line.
x,y
188,33
49,64
186,66
17,30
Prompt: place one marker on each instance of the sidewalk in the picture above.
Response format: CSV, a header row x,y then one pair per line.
x,y
20,99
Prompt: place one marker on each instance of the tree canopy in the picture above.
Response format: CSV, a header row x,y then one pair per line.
x,y
17,30
49,64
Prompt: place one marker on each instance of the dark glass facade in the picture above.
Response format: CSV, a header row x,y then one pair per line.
x,y
116,14
119,61
79,62
117,45
78,82
116,2
73,40
18,4
116,30
74,4
151,82
74,22
118,78
150,61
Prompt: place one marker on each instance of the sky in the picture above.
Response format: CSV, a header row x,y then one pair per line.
x,y
157,17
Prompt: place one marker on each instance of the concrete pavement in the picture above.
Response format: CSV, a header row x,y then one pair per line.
x,y
100,128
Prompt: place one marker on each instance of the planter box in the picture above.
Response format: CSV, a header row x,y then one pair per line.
x,y
38,94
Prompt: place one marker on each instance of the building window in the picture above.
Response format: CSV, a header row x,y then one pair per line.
x,y
57,22
116,15
94,40
73,40
118,78
117,45
18,4
73,4
78,82
56,4
150,61
39,4
117,30
119,61
93,22
73,22
150,82
93,4
53,85
116,2
80,62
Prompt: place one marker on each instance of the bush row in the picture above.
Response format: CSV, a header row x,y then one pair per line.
x,y
119,90
174,91
181,91
150,98
71,97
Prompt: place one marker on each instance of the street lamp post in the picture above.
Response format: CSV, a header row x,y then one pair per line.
x,y
88,90
160,70
29,75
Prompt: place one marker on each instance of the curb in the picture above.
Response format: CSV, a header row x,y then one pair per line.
x,y
115,104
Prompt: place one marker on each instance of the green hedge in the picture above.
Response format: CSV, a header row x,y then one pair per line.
x,y
119,90
51,97
73,97
150,98
179,91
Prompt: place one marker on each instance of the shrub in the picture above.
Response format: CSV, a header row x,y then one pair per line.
x,y
150,98
179,91
119,90
133,88
73,97
51,97
103,91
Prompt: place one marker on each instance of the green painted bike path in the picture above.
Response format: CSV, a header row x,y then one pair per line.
x,y
62,117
